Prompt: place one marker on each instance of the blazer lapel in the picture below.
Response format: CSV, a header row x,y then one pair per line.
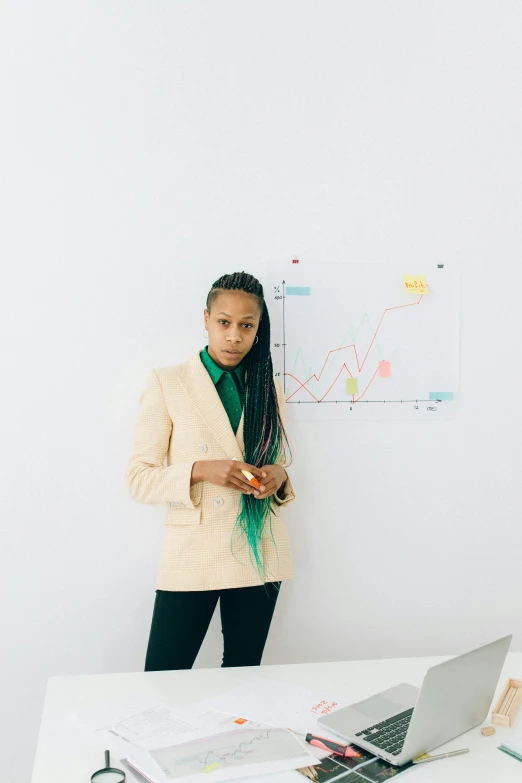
x,y
239,435
201,391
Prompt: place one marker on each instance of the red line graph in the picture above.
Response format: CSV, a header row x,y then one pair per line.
x,y
303,384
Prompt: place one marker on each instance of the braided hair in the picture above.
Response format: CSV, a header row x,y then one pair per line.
x,y
265,438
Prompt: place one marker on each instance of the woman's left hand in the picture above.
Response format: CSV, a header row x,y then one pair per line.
x,y
273,477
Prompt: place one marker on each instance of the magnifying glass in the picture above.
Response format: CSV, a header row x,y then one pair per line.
x,y
108,774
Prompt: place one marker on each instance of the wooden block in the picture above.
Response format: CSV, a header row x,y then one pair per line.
x,y
487,731
508,704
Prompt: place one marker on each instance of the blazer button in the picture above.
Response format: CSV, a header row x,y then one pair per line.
x,y
218,501
203,448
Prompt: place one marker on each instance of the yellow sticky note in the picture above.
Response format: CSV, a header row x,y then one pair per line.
x,y
352,386
415,284
211,767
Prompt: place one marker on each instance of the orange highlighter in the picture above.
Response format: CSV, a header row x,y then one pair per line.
x,y
340,750
246,473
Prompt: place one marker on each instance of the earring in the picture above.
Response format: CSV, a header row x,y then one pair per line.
x,y
256,340
206,335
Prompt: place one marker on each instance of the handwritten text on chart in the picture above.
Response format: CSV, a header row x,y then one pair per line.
x,y
415,284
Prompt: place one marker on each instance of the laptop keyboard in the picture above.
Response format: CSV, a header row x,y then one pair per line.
x,y
389,735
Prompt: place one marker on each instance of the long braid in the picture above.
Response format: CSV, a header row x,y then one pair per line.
x,y
265,438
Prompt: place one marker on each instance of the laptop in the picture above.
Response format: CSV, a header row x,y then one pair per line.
x,y
404,722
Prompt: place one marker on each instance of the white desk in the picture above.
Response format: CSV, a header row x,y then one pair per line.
x,y
69,751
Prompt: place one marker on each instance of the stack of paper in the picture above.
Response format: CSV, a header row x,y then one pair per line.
x,y
254,729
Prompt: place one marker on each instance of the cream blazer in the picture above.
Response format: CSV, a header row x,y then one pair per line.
x,y
181,420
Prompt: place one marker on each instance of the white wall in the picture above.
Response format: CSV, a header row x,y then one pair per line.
x,y
148,148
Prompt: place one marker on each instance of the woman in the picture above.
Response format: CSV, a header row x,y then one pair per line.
x,y
212,417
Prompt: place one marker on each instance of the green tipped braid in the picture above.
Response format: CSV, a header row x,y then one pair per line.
x,y
265,438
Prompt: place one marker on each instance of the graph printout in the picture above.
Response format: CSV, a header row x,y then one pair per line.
x,y
364,340
233,754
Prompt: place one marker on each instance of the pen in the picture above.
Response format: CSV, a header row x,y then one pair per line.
x,y
441,756
334,747
246,473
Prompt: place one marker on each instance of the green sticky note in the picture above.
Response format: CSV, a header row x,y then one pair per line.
x,y
352,386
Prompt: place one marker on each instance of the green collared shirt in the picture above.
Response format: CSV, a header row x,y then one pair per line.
x,y
229,385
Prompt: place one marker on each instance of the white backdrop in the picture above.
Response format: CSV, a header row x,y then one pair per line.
x,y
148,148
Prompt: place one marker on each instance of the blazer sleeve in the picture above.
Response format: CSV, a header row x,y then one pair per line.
x,y
148,479
286,489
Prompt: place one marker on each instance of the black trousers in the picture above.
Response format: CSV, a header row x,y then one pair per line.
x,y
180,621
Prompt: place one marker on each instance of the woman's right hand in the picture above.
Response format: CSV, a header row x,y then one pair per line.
x,y
227,473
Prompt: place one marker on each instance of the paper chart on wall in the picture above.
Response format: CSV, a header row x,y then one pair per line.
x,y
365,341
